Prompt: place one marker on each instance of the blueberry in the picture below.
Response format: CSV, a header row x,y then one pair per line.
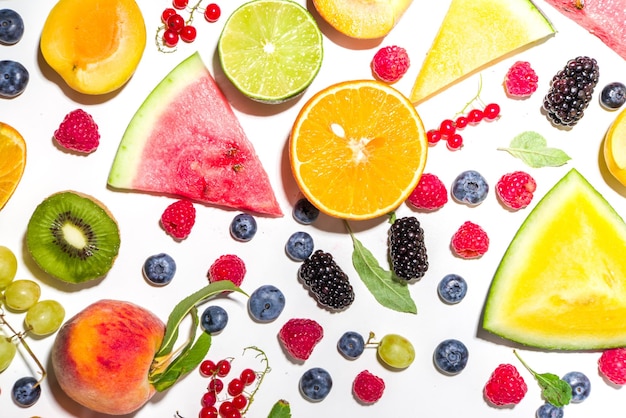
x,y
243,227
315,384
13,78
452,288
470,187
547,410
159,269
304,212
214,319
266,303
351,344
11,27
299,246
613,95
581,386
26,391
450,356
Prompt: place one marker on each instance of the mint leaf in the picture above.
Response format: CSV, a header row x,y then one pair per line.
x,y
532,149
281,409
554,389
388,291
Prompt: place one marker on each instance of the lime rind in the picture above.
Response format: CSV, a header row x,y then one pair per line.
x,y
271,50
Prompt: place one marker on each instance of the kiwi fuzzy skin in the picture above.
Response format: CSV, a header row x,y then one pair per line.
x,y
73,236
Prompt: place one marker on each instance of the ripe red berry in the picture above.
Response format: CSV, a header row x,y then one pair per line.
x,y
447,127
176,22
475,116
461,122
235,387
247,376
612,365
505,386
240,401
492,111
299,336
209,398
429,194
167,13
521,80
223,368
226,408
215,385
170,38
208,368
208,412
212,12
188,33
180,4
227,267
470,241
178,219
515,190
78,132
390,63
454,142
433,136
368,388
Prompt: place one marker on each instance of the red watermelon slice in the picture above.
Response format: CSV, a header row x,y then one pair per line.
x,y
186,141
605,19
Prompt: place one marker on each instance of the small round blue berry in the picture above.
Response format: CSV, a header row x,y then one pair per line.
x,y
299,246
13,78
315,384
351,345
214,319
470,187
613,95
26,391
159,269
452,288
304,212
266,303
547,410
243,227
11,27
581,386
450,356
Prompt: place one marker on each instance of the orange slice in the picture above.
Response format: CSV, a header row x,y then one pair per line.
x,y
12,163
358,149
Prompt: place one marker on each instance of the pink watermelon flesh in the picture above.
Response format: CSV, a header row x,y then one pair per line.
x,y
603,18
186,141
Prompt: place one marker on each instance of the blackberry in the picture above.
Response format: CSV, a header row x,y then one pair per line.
x,y
327,282
571,90
407,250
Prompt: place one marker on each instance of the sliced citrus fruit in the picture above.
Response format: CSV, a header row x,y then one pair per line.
x,y
12,163
358,149
271,50
615,148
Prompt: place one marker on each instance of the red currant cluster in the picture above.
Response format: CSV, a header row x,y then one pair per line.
x,y
175,27
448,129
236,400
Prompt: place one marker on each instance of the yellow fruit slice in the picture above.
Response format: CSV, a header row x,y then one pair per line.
x,y
94,45
475,34
562,281
615,148
12,163
358,149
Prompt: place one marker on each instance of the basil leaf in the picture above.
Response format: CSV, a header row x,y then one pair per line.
x,y
281,409
532,149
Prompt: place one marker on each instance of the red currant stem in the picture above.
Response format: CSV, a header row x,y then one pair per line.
x,y
476,98
158,39
260,353
20,336
193,11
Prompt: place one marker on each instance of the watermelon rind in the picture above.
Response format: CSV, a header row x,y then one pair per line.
x,y
561,283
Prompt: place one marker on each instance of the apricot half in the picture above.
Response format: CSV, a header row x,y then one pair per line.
x,y
94,45
362,19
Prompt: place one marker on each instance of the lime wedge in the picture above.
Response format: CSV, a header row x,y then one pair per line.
x,y
271,50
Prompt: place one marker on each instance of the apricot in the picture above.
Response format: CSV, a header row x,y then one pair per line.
x,y
362,19
102,356
94,45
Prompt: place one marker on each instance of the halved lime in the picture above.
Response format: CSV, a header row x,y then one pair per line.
x,y
271,50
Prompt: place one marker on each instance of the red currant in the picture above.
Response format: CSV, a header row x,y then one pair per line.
x,y
226,408
208,412
492,111
180,4
170,37
235,387
475,116
247,376
454,142
209,399
223,368
176,22
212,12
233,414
188,33
240,401
208,368
167,13
461,122
447,127
215,385
433,136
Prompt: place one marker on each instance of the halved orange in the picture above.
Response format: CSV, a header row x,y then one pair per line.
x,y
358,149
12,163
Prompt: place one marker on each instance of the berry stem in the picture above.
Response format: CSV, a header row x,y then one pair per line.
x,y
260,353
476,98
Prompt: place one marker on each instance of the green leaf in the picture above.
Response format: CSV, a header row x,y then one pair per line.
x,y
532,149
281,409
185,362
382,284
554,389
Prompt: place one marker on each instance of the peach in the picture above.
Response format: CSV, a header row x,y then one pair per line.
x,y
362,19
102,356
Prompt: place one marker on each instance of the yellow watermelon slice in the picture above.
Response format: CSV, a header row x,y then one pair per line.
x,y
185,140
562,282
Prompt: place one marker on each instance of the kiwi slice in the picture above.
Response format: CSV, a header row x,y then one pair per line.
x,y
73,237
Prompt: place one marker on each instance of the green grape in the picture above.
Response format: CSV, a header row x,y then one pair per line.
x,y
8,266
7,352
396,351
44,317
21,294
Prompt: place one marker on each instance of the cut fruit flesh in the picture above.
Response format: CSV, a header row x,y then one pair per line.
x,y
615,148
13,162
562,281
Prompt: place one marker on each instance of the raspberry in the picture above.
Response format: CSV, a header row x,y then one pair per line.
x,y
368,388
407,250
178,219
521,80
470,241
612,365
326,280
227,267
78,132
299,337
515,189
390,63
505,386
429,194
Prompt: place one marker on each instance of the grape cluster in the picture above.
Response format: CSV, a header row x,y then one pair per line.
x,y
175,27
